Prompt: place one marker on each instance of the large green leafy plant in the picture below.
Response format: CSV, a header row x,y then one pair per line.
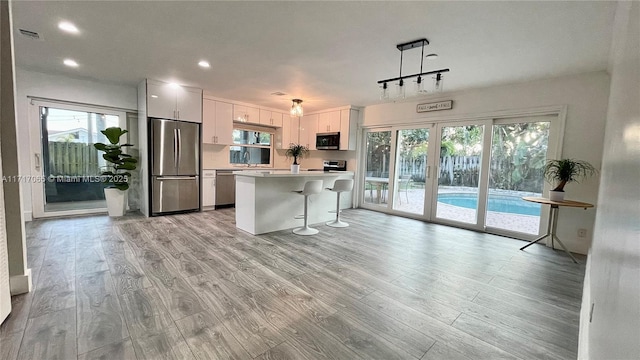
x,y
567,170
117,175
296,151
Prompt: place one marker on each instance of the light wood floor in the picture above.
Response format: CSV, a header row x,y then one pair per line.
x,y
192,286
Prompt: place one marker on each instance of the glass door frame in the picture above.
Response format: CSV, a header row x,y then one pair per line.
x,y
554,150
483,180
429,169
35,132
363,168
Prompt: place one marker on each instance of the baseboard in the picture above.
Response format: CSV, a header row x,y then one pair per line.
x,y
585,313
20,284
27,215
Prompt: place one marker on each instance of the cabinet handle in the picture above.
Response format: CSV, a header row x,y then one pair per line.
x,y
178,115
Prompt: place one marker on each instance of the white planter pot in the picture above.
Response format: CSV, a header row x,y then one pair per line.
x,y
556,195
295,169
116,201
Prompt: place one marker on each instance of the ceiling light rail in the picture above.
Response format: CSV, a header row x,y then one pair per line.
x,y
419,89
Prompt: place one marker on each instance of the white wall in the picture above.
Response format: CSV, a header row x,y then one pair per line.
x,y
612,283
29,83
585,96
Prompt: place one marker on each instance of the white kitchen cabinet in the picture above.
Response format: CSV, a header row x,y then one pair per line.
x,y
288,134
189,104
308,131
217,122
208,189
167,101
270,118
246,114
329,122
348,128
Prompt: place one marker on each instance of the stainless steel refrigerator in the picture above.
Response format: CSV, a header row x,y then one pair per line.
x,y
175,166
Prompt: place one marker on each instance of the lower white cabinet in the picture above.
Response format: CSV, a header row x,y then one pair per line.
x,y
208,189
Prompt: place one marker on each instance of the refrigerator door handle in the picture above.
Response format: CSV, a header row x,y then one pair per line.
x,y
179,154
175,148
161,178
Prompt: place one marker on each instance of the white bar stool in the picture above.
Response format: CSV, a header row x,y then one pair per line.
x,y
340,186
310,188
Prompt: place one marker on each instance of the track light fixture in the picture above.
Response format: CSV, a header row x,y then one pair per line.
x,y
296,108
419,88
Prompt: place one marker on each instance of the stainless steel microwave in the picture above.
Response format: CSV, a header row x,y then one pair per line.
x,y
328,141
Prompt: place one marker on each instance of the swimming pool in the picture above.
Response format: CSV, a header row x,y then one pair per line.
x,y
498,203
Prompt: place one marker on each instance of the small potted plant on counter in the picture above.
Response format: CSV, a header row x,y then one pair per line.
x,y
561,172
117,174
296,151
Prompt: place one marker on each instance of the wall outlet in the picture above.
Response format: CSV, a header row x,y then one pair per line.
x,y
582,233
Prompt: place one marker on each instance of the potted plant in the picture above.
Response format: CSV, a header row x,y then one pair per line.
x,y
561,172
117,174
296,151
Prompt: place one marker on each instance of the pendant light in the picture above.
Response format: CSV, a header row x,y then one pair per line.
x,y
296,108
419,89
437,83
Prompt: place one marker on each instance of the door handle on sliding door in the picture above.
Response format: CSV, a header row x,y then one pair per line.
x,y
428,172
37,161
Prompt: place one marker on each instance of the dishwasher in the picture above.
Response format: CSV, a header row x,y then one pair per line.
x,y
225,189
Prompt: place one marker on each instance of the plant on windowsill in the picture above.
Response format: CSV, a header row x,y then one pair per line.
x,y
117,175
296,151
561,172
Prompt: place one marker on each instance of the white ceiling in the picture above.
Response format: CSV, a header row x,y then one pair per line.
x,y
326,53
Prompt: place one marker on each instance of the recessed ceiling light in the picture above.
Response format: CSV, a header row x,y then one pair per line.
x,y
204,64
68,27
70,63
154,96
431,56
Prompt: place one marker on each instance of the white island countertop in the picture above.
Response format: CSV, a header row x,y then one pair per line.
x,y
267,200
286,173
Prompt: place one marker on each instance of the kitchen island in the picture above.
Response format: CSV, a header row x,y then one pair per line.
x,y
266,201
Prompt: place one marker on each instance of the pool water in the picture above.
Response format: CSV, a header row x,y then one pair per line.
x,y
498,203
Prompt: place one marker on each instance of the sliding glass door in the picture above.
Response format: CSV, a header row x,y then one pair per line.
x,y
469,174
67,164
459,168
518,154
377,165
412,170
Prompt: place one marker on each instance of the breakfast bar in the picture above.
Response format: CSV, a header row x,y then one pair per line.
x,y
266,201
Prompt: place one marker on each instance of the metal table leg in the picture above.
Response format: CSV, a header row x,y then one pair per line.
x,y
549,227
551,232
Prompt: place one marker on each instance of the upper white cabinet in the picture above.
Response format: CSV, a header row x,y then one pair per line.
x,y
344,121
308,130
329,122
217,122
270,118
246,114
289,133
169,101
348,128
